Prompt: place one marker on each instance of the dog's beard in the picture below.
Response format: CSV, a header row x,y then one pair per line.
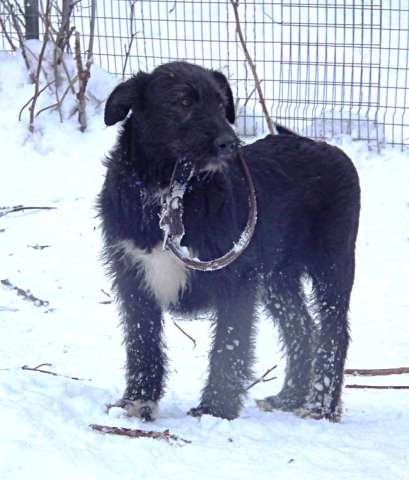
x,y
214,165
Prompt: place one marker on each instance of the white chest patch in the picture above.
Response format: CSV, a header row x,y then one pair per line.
x,y
164,276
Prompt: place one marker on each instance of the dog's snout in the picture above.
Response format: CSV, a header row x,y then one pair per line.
x,y
226,144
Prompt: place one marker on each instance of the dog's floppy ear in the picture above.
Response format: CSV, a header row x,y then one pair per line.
x,y
224,84
126,95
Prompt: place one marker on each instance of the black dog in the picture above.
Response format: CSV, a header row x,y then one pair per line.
x,y
308,209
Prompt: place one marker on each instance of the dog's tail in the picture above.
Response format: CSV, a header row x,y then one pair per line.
x,y
283,130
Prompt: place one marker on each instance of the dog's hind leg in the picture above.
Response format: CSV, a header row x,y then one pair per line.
x,y
285,301
332,285
231,356
145,358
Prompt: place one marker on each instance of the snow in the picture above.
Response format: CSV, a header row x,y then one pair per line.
x,y
45,418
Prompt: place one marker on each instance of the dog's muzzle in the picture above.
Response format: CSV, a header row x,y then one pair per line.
x,y
226,145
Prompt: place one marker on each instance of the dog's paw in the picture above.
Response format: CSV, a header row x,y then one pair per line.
x,y
146,410
207,410
278,402
319,413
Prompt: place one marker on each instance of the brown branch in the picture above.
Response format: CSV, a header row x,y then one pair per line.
x,y
15,21
8,38
376,371
91,34
184,333
263,378
32,98
61,41
380,387
39,64
84,73
61,56
64,33
132,37
81,79
40,370
106,302
59,101
19,208
26,294
235,5
137,433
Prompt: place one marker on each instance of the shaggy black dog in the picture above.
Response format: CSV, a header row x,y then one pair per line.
x,y
308,210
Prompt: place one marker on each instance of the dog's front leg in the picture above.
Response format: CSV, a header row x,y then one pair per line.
x,y
231,355
145,359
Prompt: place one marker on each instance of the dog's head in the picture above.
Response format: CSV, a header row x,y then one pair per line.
x,y
179,110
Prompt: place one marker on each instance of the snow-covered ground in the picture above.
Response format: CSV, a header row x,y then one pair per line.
x,y
44,419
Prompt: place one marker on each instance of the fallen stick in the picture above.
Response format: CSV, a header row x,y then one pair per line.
x,y
40,370
19,208
376,371
263,378
26,294
185,333
137,433
380,387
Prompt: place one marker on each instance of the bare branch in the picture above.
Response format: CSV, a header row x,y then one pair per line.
x,y
8,38
377,371
18,208
132,37
60,101
40,370
84,73
380,387
17,27
136,433
91,34
235,5
32,98
184,333
263,378
39,64
26,294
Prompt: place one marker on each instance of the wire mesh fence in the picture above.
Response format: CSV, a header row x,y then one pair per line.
x,y
327,67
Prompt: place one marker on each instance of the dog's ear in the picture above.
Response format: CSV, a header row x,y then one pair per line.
x,y
125,96
224,84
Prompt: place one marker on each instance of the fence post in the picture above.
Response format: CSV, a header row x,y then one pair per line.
x,y
32,19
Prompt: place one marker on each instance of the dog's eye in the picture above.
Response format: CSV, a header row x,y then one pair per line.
x,y
186,102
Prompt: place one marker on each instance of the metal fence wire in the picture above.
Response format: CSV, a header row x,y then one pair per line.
x,y
327,67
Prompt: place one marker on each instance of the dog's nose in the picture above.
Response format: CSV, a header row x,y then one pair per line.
x,y
226,144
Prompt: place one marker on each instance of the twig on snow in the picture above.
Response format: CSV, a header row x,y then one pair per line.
x,y
376,371
38,247
40,370
380,387
184,333
137,433
106,302
235,5
263,378
26,294
19,208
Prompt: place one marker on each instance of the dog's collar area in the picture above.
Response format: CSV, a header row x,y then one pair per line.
x,y
171,219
